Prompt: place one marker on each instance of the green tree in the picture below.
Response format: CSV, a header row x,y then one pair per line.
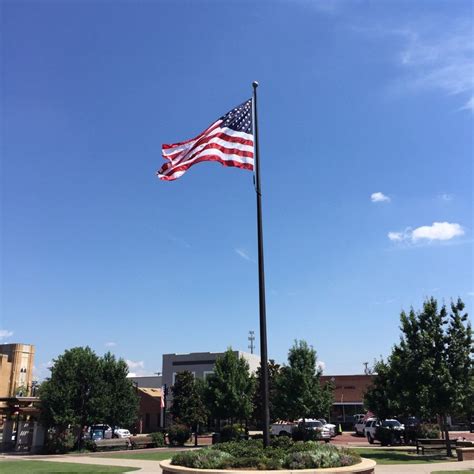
x,y
230,388
121,401
299,393
273,372
188,407
429,372
73,395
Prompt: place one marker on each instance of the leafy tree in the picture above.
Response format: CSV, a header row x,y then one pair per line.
x,y
299,393
84,389
273,372
230,388
73,395
188,407
121,399
430,371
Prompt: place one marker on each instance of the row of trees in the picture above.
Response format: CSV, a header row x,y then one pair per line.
x,y
85,389
232,393
430,372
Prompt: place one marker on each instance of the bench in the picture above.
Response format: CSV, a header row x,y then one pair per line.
x,y
465,454
138,442
115,443
429,444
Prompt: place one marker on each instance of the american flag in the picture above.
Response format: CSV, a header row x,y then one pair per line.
x,y
228,141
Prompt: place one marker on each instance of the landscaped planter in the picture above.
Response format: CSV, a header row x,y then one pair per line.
x,y
367,466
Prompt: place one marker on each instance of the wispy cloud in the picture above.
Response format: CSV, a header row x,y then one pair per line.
x,y
433,57
179,241
469,105
110,344
139,364
446,197
440,231
379,197
443,62
243,254
5,334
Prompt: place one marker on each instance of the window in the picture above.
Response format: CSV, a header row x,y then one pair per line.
x,y
147,420
207,373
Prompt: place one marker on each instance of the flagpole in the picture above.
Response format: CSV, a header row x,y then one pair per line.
x,y
261,281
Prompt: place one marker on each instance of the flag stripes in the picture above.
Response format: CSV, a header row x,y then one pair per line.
x,y
228,141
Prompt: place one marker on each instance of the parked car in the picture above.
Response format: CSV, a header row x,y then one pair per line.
x,y
122,433
285,428
316,425
358,417
370,430
329,426
282,428
101,431
360,426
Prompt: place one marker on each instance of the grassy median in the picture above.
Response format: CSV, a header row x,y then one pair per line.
x,y
31,467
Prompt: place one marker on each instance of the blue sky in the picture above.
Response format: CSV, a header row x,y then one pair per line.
x,y
366,114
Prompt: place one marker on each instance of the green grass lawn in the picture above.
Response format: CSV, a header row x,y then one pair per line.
x,y
392,456
155,456
452,472
20,467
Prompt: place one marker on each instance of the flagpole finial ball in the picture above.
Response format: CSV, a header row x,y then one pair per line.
x,y
255,84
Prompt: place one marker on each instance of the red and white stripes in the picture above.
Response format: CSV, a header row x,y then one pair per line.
x,y
222,144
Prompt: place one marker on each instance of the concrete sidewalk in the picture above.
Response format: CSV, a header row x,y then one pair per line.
x,y
144,466
466,466
153,466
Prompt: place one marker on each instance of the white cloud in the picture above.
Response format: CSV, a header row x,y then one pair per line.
x,y
396,236
446,197
321,365
433,57
131,374
139,364
469,105
110,344
243,253
379,197
4,334
437,231
470,293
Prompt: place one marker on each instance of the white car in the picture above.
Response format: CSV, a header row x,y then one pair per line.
x,y
359,427
329,426
371,428
316,425
122,433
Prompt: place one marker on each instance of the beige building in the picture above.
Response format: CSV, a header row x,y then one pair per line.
x,y
16,369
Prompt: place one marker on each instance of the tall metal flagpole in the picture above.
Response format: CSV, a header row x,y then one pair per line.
x,y
261,281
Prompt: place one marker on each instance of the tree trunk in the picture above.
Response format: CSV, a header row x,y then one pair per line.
x,y
446,437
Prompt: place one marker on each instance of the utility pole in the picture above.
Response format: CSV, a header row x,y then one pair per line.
x,y
251,339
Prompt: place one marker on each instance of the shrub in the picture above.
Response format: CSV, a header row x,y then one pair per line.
x,y
203,459
89,445
300,433
281,442
59,443
429,430
231,433
179,434
158,439
250,454
242,449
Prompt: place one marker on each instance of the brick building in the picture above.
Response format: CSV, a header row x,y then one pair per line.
x,y
16,369
150,410
348,395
